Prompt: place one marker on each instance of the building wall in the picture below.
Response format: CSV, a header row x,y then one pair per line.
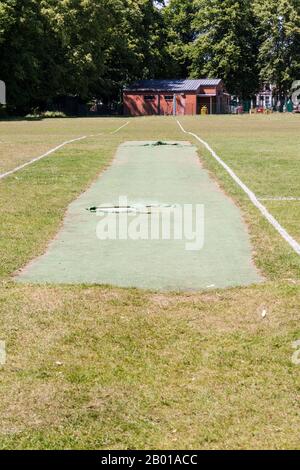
x,y
135,104
265,98
191,105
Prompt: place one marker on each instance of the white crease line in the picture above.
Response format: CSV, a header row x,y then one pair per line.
x,y
117,130
287,237
34,160
20,167
284,199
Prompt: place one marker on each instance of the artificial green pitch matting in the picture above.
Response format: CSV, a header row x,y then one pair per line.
x,y
155,178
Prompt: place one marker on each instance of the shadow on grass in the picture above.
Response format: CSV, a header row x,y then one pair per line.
x,y
42,118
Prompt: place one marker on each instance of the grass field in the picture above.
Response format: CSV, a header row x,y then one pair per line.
x,y
101,367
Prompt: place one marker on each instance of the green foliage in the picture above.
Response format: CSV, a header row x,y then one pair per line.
x,y
179,16
46,115
137,44
279,54
92,48
53,114
226,46
82,48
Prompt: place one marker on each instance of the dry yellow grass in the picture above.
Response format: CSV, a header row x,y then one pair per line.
x,y
110,368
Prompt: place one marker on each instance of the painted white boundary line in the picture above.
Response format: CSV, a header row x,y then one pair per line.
x,y
287,237
4,175
117,130
34,160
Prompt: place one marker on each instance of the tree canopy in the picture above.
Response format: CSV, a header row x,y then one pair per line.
x,y
92,48
226,44
279,39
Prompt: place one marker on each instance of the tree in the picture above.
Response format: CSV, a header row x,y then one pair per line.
x,y
92,48
20,49
84,31
179,16
279,52
226,46
138,44
84,48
